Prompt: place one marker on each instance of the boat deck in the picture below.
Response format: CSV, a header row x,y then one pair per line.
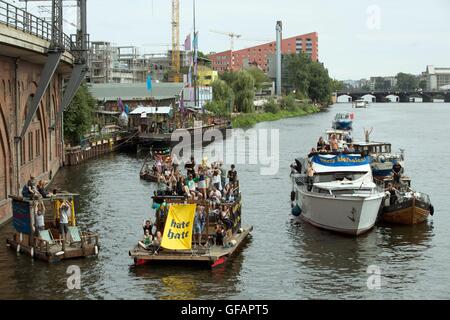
x,y
210,255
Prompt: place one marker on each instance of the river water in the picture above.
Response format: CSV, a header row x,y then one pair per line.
x,y
282,260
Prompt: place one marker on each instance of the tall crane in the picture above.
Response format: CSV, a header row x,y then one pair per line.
x,y
232,35
176,40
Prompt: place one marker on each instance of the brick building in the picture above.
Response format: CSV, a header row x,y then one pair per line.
x,y
258,55
40,152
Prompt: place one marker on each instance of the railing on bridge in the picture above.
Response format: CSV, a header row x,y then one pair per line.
x,y
20,19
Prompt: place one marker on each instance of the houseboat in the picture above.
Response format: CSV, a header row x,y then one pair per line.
x,y
46,242
336,192
158,125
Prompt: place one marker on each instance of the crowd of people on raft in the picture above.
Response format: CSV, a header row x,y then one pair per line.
x,y
37,193
208,182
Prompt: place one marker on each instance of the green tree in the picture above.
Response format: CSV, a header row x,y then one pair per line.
x,y
319,83
297,72
337,85
229,77
259,76
423,84
223,98
244,91
78,115
406,81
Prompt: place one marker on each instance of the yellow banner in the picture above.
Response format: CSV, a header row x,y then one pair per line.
x,y
178,229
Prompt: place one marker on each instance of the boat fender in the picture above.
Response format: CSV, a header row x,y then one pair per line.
x,y
296,211
431,209
32,252
18,248
292,195
96,250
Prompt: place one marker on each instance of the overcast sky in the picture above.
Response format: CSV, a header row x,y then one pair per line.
x,y
357,38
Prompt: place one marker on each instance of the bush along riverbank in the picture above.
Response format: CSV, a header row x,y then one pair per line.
x,y
274,111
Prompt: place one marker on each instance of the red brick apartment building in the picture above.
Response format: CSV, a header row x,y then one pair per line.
x,y
258,55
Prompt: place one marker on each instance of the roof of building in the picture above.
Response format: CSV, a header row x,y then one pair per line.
x,y
437,70
135,91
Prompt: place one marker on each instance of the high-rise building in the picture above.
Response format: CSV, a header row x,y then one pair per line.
x,y
258,55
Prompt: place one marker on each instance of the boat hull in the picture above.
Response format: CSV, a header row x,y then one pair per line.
x,y
348,215
407,213
343,124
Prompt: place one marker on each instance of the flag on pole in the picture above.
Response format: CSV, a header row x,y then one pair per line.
x,y
187,43
120,104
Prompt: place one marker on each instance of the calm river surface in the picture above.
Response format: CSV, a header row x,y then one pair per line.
x,y
282,260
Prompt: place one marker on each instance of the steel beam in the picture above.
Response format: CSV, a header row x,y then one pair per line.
x,y
47,74
77,76
57,24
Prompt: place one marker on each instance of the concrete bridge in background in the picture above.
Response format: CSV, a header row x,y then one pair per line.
x,y
401,95
41,69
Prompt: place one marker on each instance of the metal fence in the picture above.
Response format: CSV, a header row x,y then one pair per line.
x,y
20,19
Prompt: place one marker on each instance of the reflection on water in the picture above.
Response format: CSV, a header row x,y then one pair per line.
x,y
283,260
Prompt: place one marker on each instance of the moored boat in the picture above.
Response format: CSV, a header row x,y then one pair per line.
x,y
407,207
343,121
360,103
341,196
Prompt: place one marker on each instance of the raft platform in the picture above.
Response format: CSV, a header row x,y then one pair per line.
x,y
213,256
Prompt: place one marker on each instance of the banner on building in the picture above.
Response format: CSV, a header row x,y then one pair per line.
x,y
178,229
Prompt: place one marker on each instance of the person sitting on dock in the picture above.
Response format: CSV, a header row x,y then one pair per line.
x,y
397,172
146,241
42,191
215,195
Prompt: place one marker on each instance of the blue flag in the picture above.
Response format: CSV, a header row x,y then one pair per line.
x,y
149,82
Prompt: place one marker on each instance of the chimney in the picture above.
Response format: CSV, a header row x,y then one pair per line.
x,y
279,29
